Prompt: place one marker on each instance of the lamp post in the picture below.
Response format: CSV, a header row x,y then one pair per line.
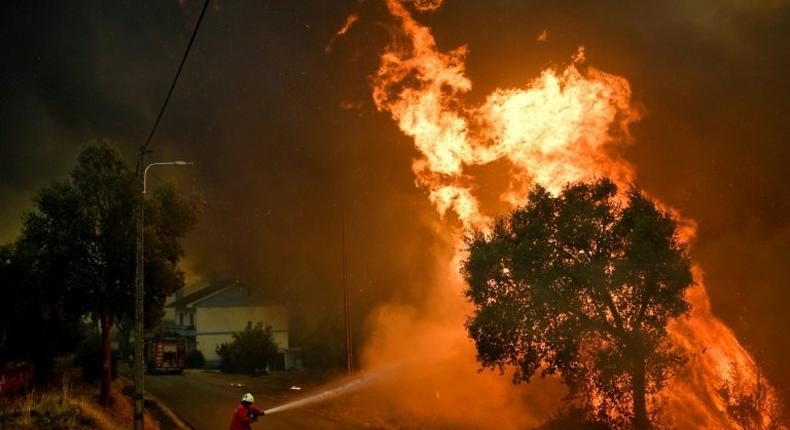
x,y
138,291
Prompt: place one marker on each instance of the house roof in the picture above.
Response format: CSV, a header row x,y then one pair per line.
x,y
211,289
221,294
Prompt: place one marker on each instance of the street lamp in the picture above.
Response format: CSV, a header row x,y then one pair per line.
x,y
138,291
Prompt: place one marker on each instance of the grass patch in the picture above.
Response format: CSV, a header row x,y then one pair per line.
x,y
68,407
50,410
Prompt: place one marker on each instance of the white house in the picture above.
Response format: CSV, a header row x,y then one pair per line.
x,y
210,314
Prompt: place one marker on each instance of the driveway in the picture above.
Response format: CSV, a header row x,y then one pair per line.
x,y
207,400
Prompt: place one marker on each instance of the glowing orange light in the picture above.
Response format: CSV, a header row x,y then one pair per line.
x,y
563,126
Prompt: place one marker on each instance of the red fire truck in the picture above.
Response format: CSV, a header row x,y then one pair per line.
x,y
165,355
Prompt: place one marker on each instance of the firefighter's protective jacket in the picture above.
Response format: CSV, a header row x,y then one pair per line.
x,y
242,418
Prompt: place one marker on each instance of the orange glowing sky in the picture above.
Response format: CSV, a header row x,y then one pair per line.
x,y
562,126
278,111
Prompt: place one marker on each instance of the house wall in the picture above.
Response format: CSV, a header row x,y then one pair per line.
x,y
170,314
215,325
185,318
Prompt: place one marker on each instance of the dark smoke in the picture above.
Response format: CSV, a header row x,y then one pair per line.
x,y
286,139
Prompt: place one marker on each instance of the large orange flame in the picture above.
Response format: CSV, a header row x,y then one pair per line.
x,y
555,131
565,125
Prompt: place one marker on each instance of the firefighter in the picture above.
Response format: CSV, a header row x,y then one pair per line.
x,y
245,414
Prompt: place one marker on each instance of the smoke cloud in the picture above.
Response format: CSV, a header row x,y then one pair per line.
x,y
288,144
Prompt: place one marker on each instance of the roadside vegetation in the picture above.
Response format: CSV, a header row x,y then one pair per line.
x,y
66,401
73,264
195,360
50,410
582,285
252,351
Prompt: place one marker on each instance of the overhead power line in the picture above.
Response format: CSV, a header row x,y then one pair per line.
x,y
139,404
175,79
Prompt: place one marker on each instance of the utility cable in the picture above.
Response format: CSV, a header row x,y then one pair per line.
x,y
175,79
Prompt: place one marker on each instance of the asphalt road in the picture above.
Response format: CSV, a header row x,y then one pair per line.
x,y
206,401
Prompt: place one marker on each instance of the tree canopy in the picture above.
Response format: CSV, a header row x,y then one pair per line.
x,y
78,244
29,314
582,284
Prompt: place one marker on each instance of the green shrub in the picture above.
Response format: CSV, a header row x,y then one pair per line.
x,y
252,351
195,360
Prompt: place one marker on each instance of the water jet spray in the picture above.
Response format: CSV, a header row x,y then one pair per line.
x,y
350,386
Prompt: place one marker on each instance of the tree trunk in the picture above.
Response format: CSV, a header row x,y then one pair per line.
x,y
638,382
106,371
125,330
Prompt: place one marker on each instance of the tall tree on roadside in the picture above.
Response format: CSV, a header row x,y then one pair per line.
x,y
83,234
582,285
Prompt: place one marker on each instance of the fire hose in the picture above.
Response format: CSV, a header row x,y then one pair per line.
x,y
256,412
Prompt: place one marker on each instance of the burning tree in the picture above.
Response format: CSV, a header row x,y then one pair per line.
x,y
582,285
751,404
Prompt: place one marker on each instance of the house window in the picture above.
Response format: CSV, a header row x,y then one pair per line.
x,y
191,318
180,319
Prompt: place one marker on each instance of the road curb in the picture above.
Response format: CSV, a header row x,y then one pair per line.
x,y
179,421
